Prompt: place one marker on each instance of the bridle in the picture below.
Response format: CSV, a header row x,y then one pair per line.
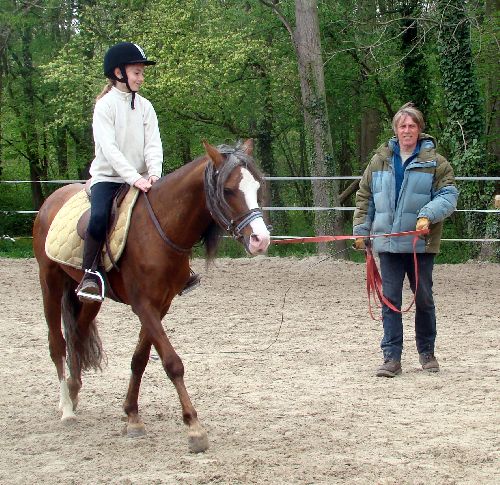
x,y
214,195
215,200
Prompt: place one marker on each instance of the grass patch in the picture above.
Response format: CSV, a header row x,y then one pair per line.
x,y
19,248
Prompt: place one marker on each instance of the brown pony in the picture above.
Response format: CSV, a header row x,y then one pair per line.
x,y
219,189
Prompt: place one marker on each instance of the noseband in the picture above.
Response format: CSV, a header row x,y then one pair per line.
x,y
216,202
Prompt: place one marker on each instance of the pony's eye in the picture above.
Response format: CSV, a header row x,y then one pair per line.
x,y
228,191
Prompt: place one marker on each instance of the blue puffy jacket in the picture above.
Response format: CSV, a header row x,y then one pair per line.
x,y
427,190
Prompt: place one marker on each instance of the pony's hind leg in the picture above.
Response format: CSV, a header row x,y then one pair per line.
x,y
80,347
83,344
52,280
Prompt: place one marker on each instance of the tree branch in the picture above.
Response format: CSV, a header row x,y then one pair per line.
x,y
6,31
353,187
16,149
272,4
202,118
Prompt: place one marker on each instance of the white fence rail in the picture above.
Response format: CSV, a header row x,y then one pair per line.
x,y
288,208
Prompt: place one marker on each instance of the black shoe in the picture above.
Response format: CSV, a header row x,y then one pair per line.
x,y
193,282
390,368
90,288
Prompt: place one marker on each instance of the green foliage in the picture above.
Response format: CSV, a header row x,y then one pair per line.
x,y
15,197
20,248
227,70
461,94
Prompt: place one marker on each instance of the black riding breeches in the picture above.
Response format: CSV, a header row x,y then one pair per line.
x,y
101,200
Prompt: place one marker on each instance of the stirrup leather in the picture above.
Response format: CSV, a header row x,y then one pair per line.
x,y
91,296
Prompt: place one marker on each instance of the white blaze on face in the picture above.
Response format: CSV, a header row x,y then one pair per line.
x,y
260,239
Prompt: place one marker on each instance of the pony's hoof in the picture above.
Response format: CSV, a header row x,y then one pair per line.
x,y
197,441
68,420
135,430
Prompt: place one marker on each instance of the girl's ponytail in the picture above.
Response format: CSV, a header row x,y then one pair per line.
x,y
106,89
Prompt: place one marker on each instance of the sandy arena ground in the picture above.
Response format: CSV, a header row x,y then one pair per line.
x,y
292,405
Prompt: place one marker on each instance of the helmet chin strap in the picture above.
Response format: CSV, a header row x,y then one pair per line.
x,y
124,80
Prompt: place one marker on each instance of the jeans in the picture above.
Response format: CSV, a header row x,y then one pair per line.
x,y
101,200
393,268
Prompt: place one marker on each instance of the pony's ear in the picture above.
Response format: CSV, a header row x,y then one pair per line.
x,y
213,153
247,147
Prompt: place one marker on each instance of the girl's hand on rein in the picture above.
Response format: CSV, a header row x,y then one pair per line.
x,y
142,184
152,179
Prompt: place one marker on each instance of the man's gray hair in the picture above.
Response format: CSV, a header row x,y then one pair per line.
x,y
410,110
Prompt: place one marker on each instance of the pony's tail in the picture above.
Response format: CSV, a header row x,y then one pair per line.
x,y
86,344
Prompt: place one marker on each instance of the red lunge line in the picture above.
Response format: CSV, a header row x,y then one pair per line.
x,y
373,278
374,281
319,239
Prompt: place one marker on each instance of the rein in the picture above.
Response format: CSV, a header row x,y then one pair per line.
x,y
162,234
373,278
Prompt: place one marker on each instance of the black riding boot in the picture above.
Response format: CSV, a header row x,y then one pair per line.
x,y
92,285
193,282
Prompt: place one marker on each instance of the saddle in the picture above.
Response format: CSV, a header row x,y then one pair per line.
x,y
65,238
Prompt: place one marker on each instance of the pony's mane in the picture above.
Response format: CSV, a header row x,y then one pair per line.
x,y
247,160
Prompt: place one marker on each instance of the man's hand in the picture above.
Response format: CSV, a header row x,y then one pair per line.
x,y
359,244
152,179
422,224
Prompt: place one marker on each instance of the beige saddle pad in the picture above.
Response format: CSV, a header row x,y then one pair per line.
x,y
64,245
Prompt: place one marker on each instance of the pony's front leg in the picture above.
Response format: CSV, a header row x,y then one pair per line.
x,y
135,427
197,436
172,363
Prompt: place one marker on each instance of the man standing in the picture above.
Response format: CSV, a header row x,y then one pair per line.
x,y
406,186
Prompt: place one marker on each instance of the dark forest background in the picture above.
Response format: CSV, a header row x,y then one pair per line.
x,y
315,83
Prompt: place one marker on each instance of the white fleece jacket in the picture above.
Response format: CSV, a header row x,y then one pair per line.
x,y
127,141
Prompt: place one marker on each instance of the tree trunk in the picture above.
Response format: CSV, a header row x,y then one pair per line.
x,y
84,152
416,81
318,135
492,99
1,104
491,251
185,147
266,156
465,130
29,127
62,152
368,134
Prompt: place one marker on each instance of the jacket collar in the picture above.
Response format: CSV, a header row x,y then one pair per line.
x,y
426,153
120,94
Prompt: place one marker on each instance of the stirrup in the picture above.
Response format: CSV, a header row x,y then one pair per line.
x,y
91,296
192,283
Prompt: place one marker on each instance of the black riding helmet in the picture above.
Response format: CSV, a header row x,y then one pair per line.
x,y
121,55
